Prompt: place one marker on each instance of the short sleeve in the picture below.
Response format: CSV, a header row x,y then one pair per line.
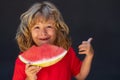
x,y
19,70
75,62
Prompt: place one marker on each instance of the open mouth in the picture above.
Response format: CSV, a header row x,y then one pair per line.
x,y
44,39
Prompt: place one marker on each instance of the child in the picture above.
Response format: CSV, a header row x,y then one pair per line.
x,y
43,23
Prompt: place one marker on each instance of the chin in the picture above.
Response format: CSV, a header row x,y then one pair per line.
x,y
43,43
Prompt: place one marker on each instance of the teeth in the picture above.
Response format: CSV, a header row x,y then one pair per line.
x,y
44,39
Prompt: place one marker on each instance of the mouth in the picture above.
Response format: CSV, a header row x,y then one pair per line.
x,y
44,40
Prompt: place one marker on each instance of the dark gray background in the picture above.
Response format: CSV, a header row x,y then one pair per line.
x,y
99,19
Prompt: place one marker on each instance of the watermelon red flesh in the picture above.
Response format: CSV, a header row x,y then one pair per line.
x,y
44,54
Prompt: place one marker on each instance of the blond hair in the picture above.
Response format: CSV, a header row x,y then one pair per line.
x,y
47,10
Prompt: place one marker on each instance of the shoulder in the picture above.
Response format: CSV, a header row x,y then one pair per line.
x,y
71,50
18,61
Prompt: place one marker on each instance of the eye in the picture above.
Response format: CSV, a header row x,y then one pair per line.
x,y
36,27
49,27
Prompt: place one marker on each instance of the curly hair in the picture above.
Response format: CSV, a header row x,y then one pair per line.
x,y
28,19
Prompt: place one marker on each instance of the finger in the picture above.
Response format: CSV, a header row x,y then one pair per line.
x,y
27,65
83,45
33,69
39,69
89,40
36,70
84,42
82,52
82,49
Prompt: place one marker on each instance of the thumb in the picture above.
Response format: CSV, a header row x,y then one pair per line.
x,y
89,40
27,65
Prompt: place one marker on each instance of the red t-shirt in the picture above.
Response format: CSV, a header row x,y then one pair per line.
x,y
65,69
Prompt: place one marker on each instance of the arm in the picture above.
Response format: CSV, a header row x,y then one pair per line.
x,y
85,48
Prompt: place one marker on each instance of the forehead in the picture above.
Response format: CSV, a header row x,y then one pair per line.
x,y
43,19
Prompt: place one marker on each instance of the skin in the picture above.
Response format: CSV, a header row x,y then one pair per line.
x,y
31,72
44,32
85,48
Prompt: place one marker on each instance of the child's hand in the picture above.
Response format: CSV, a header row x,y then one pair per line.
x,y
31,71
86,47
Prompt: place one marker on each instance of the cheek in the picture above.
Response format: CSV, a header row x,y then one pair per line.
x,y
33,34
53,35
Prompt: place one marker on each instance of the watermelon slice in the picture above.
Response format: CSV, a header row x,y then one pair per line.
x,y
44,55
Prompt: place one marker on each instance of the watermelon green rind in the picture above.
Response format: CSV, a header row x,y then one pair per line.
x,y
45,62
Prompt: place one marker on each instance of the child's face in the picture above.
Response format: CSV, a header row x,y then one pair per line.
x,y
43,32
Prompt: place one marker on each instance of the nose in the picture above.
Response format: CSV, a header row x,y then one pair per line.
x,y
43,32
